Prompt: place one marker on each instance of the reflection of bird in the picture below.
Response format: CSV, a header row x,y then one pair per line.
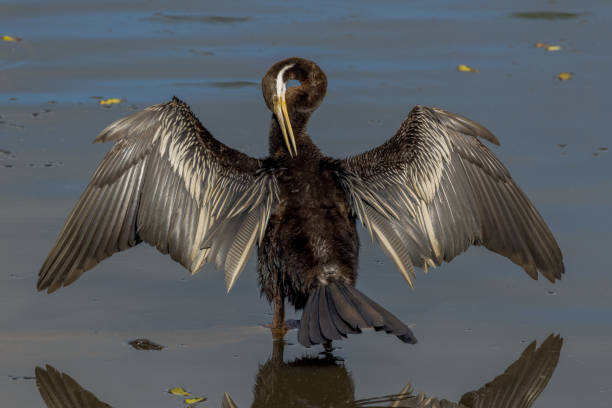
x,y
305,382
425,195
59,390
324,382
312,382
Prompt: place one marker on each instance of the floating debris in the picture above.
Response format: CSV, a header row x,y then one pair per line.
x,y
595,154
191,401
562,145
52,102
178,391
465,68
9,38
551,292
110,101
21,377
145,344
194,18
13,99
96,97
47,164
35,114
564,76
603,149
233,84
546,15
548,47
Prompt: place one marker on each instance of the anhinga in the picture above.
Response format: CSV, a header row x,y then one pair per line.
x,y
425,195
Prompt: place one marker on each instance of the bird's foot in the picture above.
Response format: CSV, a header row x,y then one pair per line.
x,y
287,325
278,332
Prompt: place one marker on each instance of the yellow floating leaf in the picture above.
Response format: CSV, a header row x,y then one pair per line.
x,y
178,391
465,68
564,76
548,47
110,101
194,400
10,39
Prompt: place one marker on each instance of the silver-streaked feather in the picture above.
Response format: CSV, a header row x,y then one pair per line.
x,y
434,189
166,181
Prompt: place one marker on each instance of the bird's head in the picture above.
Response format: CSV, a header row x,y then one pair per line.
x,y
293,106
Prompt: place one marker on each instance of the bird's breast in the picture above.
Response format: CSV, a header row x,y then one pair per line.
x,y
311,232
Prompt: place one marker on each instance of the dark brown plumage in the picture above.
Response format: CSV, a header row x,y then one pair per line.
x,y
426,195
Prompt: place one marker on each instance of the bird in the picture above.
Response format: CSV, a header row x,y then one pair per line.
x,y
317,381
425,195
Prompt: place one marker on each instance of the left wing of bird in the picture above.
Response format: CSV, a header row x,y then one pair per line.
x,y
434,189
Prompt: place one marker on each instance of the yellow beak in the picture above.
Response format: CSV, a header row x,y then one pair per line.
x,y
280,110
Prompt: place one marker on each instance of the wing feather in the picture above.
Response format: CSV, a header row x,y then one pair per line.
x,y
166,181
435,189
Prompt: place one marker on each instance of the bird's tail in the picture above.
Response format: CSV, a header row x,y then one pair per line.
x,y
336,309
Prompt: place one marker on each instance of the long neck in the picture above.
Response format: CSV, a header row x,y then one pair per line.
x,y
305,146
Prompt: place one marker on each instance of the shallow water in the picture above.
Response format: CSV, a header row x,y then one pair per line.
x,y
473,317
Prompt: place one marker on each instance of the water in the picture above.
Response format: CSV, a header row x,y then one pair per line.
x,y
473,317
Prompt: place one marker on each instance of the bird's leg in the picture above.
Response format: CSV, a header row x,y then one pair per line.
x,y
278,351
279,328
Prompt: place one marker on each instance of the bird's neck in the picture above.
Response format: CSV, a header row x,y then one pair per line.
x,y
304,144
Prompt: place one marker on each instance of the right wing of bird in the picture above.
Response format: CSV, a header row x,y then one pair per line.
x,y
166,181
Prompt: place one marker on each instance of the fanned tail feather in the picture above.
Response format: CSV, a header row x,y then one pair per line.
x,y
336,309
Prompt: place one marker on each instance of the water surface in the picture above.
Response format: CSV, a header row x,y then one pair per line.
x,y
473,317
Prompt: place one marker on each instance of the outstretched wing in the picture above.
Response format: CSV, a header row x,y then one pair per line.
x,y
434,189
523,382
166,181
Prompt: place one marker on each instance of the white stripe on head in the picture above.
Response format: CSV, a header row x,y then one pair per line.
x,y
280,84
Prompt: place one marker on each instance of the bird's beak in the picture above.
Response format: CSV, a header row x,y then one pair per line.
x,y
280,110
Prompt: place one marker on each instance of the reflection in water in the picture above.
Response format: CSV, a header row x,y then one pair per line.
x,y
325,382
59,390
